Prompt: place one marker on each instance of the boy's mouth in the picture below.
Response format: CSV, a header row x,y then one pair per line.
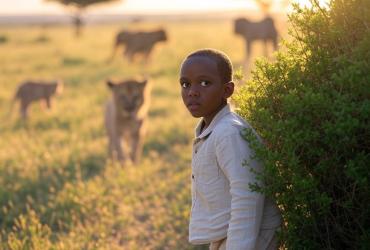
x,y
193,106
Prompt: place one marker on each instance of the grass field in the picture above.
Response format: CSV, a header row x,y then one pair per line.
x,y
57,189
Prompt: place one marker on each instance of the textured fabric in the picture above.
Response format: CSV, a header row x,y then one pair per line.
x,y
222,203
218,245
267,240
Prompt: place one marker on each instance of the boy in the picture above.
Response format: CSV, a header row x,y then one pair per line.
x,y
225,212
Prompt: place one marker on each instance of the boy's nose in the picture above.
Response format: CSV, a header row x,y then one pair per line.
x,y
193,91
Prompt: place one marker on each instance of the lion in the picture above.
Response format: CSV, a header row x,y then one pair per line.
x,y
251,31
31,91
125,119
138,42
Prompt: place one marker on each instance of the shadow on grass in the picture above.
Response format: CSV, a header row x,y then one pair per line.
x,y
18,193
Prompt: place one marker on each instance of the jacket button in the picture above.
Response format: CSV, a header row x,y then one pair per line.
x,y
192,176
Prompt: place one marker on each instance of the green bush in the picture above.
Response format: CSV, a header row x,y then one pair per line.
x,y
312,108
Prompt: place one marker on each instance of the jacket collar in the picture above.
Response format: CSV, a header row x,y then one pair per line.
x,y
205,133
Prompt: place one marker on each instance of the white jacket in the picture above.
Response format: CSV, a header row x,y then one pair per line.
x,y
222,203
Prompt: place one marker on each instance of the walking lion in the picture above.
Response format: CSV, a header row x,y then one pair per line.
x,y
138,43
125,119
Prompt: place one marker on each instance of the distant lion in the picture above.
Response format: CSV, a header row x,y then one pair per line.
x,y
138,42
251,31
31,91
125,119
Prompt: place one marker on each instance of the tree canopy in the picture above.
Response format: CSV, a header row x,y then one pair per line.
x,y
80,3
80,6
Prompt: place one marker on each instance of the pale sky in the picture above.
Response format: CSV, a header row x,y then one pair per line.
x,y
14,7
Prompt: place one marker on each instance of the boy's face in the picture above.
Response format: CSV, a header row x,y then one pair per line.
x,y
202,88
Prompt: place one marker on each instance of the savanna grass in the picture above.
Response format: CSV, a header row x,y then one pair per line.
x,y
57,188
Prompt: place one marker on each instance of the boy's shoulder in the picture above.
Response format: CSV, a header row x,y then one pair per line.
x,y
230,124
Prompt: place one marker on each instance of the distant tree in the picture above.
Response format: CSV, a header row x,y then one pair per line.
x,y
78,7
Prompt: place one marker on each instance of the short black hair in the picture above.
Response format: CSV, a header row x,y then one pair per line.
x,y
223,62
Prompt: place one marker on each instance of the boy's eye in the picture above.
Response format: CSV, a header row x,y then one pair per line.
x,y
204,83
184,85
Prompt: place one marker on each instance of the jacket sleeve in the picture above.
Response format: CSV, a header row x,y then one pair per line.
x,y
246,206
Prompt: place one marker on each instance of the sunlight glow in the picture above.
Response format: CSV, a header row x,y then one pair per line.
x,y
14,7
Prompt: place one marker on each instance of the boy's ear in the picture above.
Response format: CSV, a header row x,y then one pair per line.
x,y
229,89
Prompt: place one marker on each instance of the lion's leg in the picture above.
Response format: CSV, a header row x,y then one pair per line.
x,y
23,109
147,56
265,52
114,144
275,43
127,54
248,50
48,102
137,143
131,57
110,148
119,150
137,150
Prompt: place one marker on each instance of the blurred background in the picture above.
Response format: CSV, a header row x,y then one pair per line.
x,y
58,189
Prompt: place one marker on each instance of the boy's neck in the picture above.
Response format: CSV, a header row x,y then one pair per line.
x,y
205,122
